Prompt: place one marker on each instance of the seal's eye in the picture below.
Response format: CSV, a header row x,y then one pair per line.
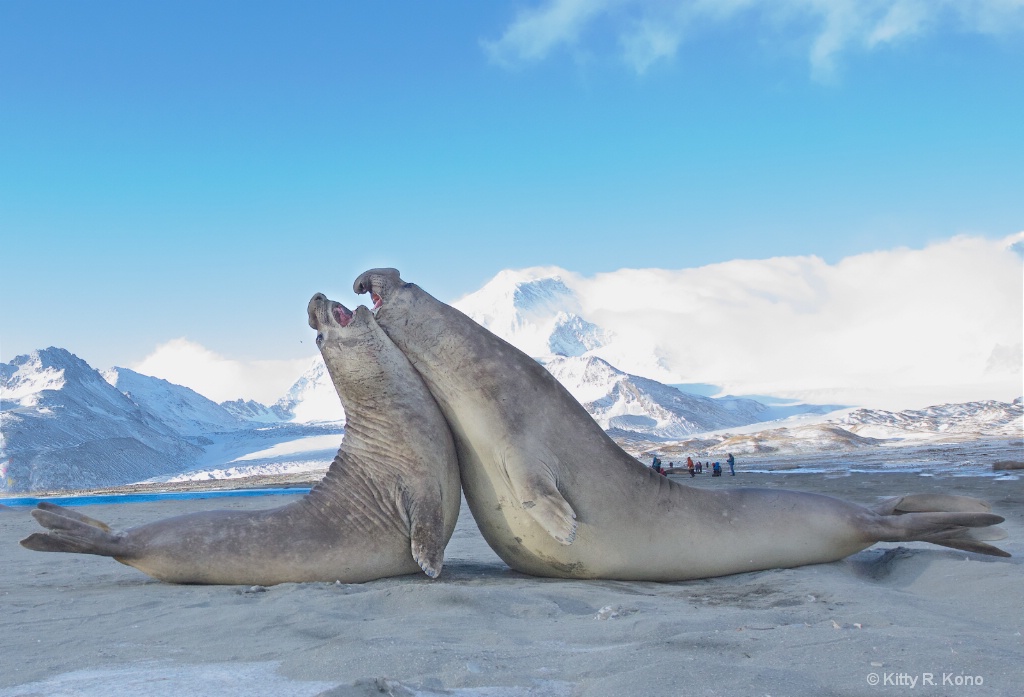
x,y
319,339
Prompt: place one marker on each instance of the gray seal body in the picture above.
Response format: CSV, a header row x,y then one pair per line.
x,y
553,495
387,505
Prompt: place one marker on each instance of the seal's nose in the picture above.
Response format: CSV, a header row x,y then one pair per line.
x,y
315,303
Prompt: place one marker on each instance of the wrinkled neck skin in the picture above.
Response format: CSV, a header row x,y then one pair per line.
x,y
368,392
377,387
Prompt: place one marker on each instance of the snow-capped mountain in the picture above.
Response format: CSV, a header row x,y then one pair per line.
x,y
64,425
62,422
536,312
954,421
571,335
251,410
506,302
625,403
865,428
823,437
186,411
541,312
312,398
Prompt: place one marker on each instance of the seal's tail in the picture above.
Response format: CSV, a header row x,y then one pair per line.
x,y
69,531
959,522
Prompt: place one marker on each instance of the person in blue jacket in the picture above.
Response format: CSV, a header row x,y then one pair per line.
x,y
732,464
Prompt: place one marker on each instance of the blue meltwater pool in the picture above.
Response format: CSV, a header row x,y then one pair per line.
x,y
89,500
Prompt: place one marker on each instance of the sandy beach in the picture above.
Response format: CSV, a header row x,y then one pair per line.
x,y
918,619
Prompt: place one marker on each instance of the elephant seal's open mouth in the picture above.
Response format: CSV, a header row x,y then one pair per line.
x,y
378,283
323,311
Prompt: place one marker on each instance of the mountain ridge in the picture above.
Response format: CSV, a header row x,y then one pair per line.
x,y
65,425
62,421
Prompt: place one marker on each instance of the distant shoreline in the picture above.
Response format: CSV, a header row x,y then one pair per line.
x,y
280,481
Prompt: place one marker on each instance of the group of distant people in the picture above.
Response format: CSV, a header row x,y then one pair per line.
x,y
696,468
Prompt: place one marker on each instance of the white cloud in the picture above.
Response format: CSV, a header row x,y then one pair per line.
x,y
652,30
218,377
896,328
894,325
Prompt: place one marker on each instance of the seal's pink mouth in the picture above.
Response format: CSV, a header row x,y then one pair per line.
x,y
377,301
342,315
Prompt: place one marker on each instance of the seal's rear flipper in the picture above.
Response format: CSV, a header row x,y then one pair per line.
x,y
69,531
74,515
953,529
931,503
968,541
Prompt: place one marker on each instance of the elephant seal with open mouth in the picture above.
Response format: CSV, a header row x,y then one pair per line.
x,y
386,507
553,495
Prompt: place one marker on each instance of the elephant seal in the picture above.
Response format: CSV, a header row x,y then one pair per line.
x,y
554,496
387,505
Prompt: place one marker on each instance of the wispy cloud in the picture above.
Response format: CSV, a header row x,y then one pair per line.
x,y
218,377
649,31
536,32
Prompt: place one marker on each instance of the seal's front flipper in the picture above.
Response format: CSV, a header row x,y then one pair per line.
x,y
426,532
534,484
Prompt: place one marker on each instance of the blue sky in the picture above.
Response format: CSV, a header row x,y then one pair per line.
x,y
199,170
